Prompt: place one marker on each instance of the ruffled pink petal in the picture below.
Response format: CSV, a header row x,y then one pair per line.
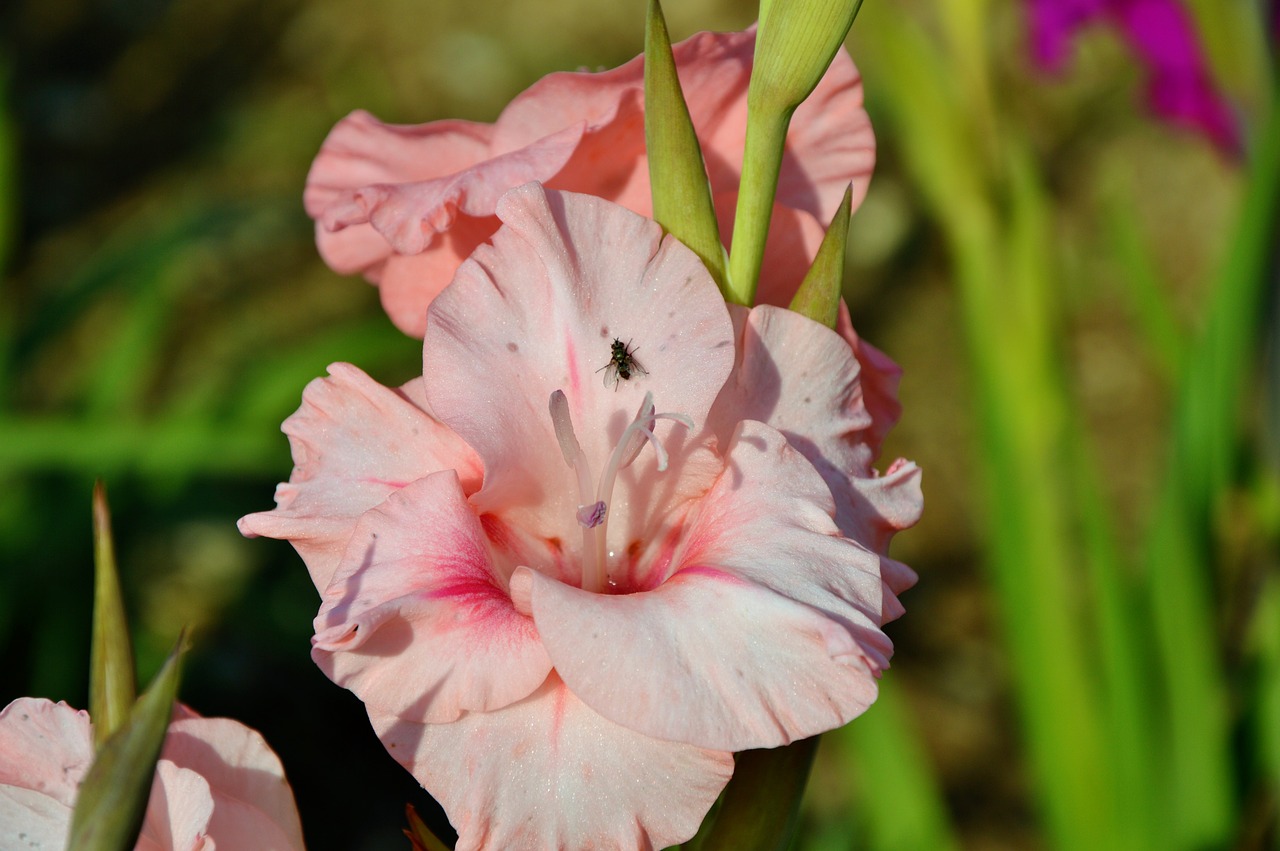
x,y
178,812
804,380
549,773
252,804
45,747
409,215
879,379
565,276
766,633
416,622
384,193
362,151
354,442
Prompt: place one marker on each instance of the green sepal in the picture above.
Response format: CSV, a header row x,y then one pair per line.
x,y
797,41
682,201
819,295
113,797
113,686
761,805
420,836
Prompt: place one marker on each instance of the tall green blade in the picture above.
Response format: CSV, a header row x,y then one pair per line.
x,y
898,796
795,46
113,797
678,179
1205,441
819,295
112,684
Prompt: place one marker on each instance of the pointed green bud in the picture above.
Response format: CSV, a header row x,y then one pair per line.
x,y
681,191
819,295
113,797
112,684
797,41
761,805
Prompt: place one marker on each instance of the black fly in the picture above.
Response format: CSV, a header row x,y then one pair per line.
x,y
622,364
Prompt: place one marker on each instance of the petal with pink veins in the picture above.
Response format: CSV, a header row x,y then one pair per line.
x,y
565,277
354,442
417,622
766,633
584,782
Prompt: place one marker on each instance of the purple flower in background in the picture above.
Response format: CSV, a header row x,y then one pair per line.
x,y
1160,31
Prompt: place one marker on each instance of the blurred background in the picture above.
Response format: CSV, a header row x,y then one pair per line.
x,y
1081,294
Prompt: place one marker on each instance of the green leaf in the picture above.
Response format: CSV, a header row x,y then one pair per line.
x,y
681,192
898,795
796,44
819,295
760,806
1207,424
113,797
112,684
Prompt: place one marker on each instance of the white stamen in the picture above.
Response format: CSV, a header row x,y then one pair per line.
x,y
593,516
569,445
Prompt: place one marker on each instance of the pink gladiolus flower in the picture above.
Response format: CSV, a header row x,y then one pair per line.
x,y
404,205
1181,89
217,783
566,596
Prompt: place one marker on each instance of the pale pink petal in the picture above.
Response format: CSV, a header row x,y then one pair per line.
x,y
767,632
549,773
417,621
45,747
354,442
409,215
252,804
797,376
885,505
32,821
383,193
609,106
564,277
805,381
880,377
178,812
408,284
362,151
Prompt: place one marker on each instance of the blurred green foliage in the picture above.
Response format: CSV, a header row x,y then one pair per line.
x,y
1079,296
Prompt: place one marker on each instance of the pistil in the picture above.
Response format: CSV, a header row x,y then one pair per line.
x,y
593,515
